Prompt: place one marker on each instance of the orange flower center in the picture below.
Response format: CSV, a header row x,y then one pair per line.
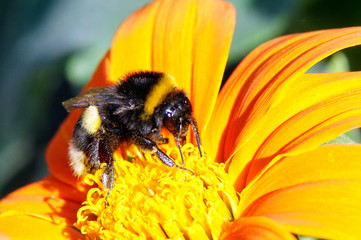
x,y
152,201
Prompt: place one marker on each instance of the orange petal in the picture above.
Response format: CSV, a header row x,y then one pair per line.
x,y
48,198
317,193
250,228
188,39
17,226
303,115
57,151
42,210
245,96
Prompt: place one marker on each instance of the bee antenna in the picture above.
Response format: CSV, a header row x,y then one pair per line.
x,y
196,134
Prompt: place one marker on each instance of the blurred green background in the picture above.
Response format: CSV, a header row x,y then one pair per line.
x,y
50,48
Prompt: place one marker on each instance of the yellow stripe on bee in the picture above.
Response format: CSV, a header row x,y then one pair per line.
x,y
91,120
156,95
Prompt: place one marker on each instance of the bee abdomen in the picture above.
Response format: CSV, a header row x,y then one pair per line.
x,y
83,147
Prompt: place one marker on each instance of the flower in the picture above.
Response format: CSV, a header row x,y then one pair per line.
x,y
266,128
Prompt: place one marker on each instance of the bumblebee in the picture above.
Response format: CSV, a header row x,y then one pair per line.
x,y
133,111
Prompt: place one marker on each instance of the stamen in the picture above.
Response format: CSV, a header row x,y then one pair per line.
x,y
152,201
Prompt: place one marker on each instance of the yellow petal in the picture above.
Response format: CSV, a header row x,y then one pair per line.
x,y
254,228
317,193
187,39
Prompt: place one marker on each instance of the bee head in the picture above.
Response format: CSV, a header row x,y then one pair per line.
x,y
177,113
177,116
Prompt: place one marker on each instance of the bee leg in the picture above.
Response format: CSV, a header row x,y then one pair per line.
x,y
106,150
108,177
157,137
94,162
196,134
168,161
151,146
180,150
178,138
164,158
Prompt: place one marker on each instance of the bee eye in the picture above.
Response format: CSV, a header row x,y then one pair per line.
x,y
168,120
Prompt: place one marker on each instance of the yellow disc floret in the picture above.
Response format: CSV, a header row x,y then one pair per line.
x,y
152,201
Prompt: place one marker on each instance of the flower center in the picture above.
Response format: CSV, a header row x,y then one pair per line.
x,y
152,201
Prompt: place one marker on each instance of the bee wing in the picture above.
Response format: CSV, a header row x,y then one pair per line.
x,y
96,97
